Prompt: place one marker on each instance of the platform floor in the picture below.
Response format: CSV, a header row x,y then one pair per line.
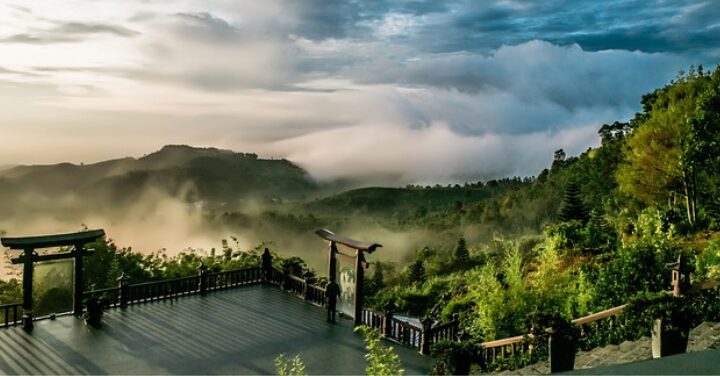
x,y
238,331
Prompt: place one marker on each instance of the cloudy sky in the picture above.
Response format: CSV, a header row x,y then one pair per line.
x,y
410,90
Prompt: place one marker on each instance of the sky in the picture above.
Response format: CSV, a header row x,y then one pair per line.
x,y
406,91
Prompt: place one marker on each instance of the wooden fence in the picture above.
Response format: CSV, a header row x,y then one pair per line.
x,y
11,314
609,323
126,294
420,337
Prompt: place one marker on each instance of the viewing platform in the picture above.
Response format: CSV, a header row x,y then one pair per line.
x,y
234,331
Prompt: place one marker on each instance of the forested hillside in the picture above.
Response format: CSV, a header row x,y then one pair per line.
x,y
609,221
206,174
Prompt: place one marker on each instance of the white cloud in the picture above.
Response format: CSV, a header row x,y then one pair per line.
x,y
429,154
241,75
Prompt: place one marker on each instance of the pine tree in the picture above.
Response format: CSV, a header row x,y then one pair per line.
x,y
597,221
600,236
416,274
378,277
572,207
462,256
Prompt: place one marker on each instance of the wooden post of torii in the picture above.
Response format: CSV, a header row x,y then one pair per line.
x,y
360,249
29,244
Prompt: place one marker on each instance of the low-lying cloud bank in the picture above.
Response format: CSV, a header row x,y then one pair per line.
x,y
429,154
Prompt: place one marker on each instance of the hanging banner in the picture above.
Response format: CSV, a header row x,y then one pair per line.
x,y
345,277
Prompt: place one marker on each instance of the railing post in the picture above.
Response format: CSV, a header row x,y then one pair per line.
x,y
387,319
359,293
306,290
285,280
203,278
124,284
680,274
455,326
426,336
78,283
266,265
27,289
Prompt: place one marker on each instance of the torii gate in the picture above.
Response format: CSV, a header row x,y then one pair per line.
x,y
29,244
360,249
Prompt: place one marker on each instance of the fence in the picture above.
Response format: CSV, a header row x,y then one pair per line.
x,y
420,337
11,314
612,325
205,282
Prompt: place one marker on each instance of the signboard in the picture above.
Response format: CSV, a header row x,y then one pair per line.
x,y
53,283
345,277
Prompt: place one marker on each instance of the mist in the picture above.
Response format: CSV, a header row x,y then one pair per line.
x,y
157,221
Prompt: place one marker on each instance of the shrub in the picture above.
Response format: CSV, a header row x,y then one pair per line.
x,y
382,360
289,367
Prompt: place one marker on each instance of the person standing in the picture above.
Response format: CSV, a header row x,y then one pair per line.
x,y
332,291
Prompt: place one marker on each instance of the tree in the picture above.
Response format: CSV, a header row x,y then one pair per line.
x,y
572,208
703,143
668,152
461,256
378,277
416,273
559,159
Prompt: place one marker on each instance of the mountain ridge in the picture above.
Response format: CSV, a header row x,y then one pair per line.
x,y
216,174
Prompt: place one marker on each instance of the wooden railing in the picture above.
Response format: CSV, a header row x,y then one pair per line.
x,y
315,294
300,287
403,332
234,278
277,277
11,314
163,289
500,349
295,285
493,351
372,319
444,332
597,329
111,296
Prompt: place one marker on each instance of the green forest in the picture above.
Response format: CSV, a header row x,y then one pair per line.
x,y
589,232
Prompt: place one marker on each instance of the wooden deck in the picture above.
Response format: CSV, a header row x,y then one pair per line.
x,y
238,331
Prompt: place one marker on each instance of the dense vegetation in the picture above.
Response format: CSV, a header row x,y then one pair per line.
x,y
614,215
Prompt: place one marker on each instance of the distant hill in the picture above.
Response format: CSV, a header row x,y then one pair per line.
x,y
207,174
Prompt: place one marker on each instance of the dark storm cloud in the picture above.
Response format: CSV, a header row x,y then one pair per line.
x,y
323,19
481,26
